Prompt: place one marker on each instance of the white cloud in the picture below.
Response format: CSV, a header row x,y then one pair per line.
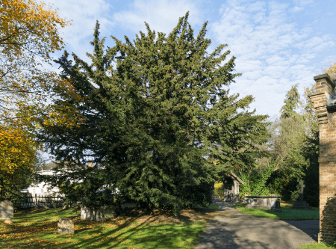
x,y
162,16
83,15
273,52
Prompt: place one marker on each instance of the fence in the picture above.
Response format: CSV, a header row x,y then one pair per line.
x,y
38,201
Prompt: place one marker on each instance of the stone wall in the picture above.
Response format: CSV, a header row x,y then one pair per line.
x,y
323,98
262,202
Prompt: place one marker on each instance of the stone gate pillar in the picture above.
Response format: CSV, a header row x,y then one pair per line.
x,y
324,101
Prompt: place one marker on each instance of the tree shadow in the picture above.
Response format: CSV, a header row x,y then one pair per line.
x,y
310,227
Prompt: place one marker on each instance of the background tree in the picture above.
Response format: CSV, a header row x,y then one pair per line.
x,y
244,146
17,157
311,152
292,102
288,146
330,70
149,123
28,35
293,147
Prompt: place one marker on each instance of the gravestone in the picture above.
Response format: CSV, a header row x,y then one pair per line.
x,y
66,226
277,206
6,210
300,203
99,214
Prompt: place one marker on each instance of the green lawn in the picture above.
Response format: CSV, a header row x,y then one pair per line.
x,y
286,214
38,229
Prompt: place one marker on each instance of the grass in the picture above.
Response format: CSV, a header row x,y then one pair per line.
x,y
316,246
38,229
287,214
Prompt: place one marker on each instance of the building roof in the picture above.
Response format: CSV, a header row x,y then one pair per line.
x,y
50,166
233,175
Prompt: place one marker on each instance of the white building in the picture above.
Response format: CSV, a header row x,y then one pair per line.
x,y
42,188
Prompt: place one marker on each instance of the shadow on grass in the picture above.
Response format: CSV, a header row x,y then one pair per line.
x,y
137,229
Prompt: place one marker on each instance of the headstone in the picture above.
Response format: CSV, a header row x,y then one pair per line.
x,y
97,215
277,206
300,203
6,210
66,226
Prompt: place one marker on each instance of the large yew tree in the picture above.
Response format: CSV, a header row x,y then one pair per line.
x,y
149,114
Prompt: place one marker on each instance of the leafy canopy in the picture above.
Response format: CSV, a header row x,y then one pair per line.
x,y
151,112
28,35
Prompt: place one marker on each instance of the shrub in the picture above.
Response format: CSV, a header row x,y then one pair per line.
x,y
219,189
257,183
294,195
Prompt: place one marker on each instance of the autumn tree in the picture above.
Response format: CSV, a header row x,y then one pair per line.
x,y
149,123
28,36
17,156
330,70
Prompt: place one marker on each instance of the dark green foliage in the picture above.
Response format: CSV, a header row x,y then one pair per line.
x,y
296,150
150,122
311,191
311,179
292,102
280,182
12,184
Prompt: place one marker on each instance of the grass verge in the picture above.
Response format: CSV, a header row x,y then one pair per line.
x,y
159,229
286,214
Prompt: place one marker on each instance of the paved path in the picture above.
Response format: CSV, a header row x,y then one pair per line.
x,y
232,229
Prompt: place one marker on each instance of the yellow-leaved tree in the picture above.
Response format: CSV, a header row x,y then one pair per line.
x,y
17,156
331,70
29,34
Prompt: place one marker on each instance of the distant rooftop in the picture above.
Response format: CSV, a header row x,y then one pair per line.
x,y
52,165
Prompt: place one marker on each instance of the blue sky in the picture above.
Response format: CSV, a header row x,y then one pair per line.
x,y
277,44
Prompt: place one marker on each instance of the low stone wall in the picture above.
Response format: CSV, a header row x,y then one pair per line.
x,y
261,202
